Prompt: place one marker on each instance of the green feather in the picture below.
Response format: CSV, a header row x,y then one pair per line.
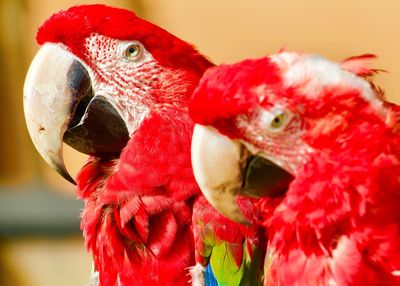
x,y
224,266
228,273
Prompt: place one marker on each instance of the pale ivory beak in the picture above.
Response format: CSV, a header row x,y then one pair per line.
x,y
53,85
218,164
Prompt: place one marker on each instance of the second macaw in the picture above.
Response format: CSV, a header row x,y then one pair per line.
x,y
318,145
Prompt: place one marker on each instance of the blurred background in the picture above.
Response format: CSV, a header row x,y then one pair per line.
x,y
40,241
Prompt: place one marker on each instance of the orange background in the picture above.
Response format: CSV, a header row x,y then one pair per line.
x,y
225,31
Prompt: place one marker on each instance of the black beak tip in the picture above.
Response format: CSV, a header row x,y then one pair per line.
x,y
64,173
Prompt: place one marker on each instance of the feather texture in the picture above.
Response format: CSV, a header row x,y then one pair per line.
x,y
128,233
359,65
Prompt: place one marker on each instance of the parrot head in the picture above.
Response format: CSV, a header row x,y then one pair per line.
x,y
99,72
259,122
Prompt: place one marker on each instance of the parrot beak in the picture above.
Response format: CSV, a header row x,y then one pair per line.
x,y
61,105
225,169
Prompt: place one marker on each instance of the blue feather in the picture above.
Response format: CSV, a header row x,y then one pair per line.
x,y
209,276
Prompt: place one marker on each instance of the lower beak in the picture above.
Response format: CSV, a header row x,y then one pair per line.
x,y
225,169
60,105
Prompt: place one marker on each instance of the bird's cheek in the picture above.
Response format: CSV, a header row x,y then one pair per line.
x,y
266,209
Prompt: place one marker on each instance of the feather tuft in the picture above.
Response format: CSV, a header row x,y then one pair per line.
x,y
359,65
197,275
94,279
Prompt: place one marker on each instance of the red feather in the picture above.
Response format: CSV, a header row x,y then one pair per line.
x,y
359,65
146,230
233,85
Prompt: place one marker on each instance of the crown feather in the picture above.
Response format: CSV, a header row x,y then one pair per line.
x,y
359,65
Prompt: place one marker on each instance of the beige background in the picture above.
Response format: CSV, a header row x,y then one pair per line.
x,y
225,31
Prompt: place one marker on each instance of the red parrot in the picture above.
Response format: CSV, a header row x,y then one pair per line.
x,y
318,148
117,87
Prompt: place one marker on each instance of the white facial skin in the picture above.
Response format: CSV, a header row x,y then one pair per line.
x,y
124,72
275,134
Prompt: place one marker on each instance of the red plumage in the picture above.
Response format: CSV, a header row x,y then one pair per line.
x,y
137,218
339,221
223,92
359,65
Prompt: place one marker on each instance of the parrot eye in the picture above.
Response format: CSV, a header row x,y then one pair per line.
x,y
132,51
276,119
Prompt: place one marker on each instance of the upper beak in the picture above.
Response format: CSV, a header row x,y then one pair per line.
x,y
224,169
61,105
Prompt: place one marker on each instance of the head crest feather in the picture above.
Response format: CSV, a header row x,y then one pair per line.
x,y
359,65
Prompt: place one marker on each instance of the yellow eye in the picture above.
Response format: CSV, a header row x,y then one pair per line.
x,y
278,120
132,51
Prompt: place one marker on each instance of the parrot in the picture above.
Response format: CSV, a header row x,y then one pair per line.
x,y
116,87
315,144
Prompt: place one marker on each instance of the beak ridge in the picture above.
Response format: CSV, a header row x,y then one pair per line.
x,y
53,84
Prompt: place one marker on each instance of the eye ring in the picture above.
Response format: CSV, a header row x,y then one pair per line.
x,y
132,51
